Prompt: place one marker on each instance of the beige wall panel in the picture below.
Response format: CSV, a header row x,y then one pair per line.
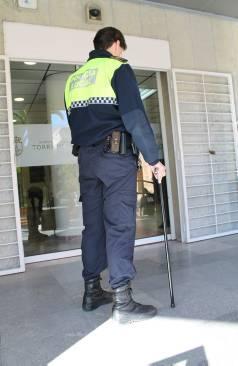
x,y
65,13
202,43
11,12
224,44
153,22
126,17
180,39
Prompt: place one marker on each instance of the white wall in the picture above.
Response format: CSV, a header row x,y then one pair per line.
x,y
35,47
197,41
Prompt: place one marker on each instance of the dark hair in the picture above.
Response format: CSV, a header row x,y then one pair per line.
x,y
105,37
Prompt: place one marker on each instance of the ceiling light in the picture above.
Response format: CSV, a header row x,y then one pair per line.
x,y
19,99
29,63
146,93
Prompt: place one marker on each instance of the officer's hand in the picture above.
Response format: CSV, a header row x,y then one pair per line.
x,y
159,171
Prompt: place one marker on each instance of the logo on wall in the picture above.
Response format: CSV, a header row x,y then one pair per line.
x,y
18,146
42,144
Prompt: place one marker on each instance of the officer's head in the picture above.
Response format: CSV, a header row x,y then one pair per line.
x,y
110,39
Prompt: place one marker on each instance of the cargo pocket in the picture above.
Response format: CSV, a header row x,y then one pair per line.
x,y
128,210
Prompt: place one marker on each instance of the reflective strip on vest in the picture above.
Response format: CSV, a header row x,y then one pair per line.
x,y
96,100
91,84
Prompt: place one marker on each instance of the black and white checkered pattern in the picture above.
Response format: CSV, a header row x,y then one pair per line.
x,y
94,100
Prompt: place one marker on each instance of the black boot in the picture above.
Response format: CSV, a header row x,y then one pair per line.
x,y
94,296
126,310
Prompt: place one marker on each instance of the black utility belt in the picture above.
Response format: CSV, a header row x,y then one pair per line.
x,y
117,143
120,143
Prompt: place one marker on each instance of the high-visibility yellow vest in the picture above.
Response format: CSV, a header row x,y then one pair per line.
x,y
91,84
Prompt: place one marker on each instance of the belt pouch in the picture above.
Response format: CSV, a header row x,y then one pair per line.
x,y
115,142
123,143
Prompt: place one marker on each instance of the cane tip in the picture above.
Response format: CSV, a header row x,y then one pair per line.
x,y
172,305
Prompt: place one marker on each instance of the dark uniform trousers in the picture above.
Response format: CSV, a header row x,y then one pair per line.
x,y
108,194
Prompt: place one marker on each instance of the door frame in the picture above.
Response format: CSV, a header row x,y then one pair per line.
x,y
142,241
36,49
165,149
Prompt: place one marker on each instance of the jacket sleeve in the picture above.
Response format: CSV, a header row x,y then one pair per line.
x,y
133,113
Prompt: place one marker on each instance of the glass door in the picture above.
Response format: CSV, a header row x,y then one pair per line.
x,y
51,214
149,216
47,172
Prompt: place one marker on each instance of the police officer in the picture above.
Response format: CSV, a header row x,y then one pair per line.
x,y
108,122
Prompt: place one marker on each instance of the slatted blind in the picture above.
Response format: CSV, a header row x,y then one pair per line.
x,y
11,251
208,146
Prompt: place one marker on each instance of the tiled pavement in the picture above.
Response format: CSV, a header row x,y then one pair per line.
x,y
41,321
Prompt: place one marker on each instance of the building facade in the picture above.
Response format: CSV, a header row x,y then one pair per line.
x,y
186,65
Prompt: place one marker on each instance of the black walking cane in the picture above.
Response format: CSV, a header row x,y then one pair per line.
x,y
166,245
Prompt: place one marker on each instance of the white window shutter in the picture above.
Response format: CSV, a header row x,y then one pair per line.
x,y
11,249
207,134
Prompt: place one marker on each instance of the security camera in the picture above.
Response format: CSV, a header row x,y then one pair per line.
x,y
94,13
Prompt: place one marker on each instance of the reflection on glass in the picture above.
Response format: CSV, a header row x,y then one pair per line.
x,y
149,216
51,214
